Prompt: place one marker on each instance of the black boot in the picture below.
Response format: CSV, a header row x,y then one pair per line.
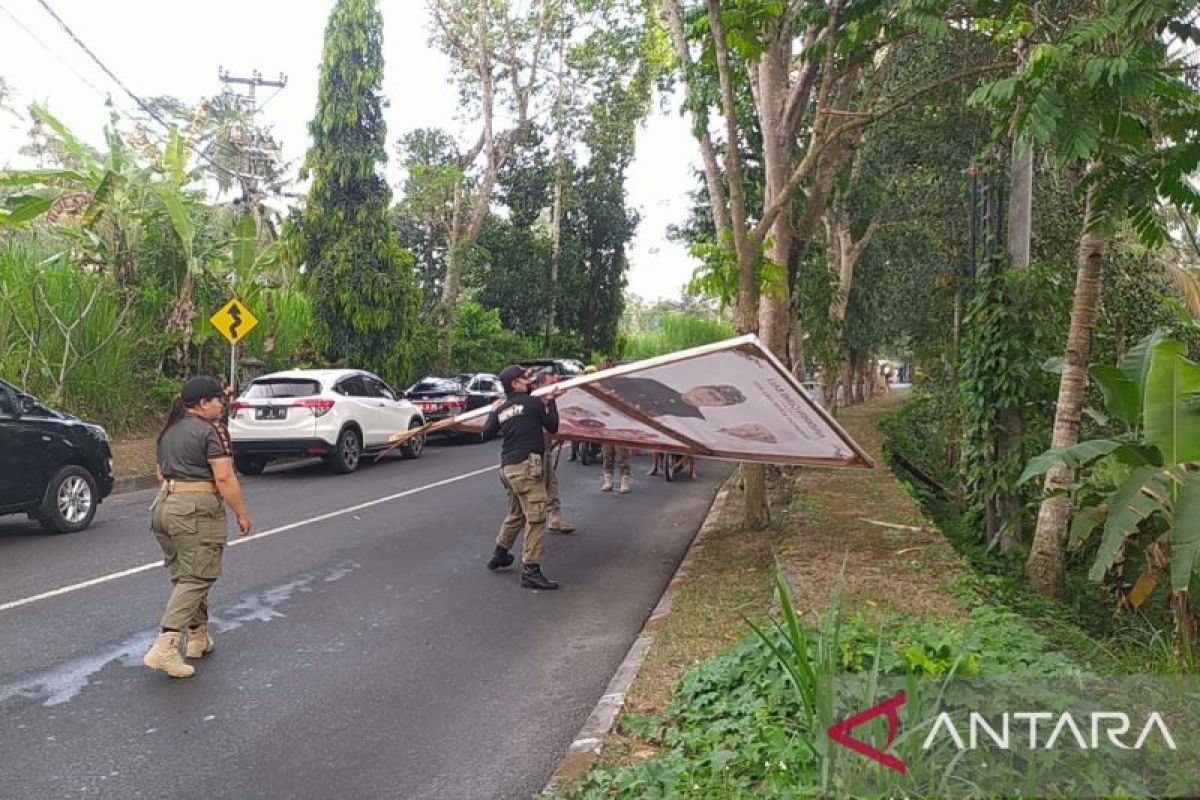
x,y
500,558
532,578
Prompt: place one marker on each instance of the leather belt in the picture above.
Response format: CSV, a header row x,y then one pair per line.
x,y
205,487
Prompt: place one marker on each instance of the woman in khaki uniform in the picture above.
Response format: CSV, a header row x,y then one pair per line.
x,y
195,471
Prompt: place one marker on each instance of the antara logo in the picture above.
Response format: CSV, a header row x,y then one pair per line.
x,y
1114,724
1054,727
840,732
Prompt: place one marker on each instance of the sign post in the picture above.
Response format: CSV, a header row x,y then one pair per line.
x,y
233,322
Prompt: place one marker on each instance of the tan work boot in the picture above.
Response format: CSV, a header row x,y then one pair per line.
x,y
626,485
558,522
199,642
607,485
164,655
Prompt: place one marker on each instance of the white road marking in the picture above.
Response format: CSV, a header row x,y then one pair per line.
x,y
75,587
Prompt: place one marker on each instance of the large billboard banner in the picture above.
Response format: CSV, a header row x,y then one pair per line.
x,y
730,400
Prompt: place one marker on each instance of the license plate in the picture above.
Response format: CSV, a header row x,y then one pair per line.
x,y
270,413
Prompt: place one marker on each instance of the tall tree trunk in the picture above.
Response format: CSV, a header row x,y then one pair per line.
x,y
556,208
1010,529
774,309
451,288
757,514
1020,207
1045,567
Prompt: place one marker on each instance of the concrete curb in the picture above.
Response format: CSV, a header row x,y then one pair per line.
x,y
135,483
585,750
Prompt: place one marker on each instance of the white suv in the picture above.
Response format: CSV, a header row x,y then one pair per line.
x,y
337,414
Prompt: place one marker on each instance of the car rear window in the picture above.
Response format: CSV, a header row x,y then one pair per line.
x,y
436,385
283,387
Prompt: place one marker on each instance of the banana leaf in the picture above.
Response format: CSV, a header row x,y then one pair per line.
x,y
1172,423
73,144
1075,456
1185,533
1085,522
40,177
1144,492
1122,397
1136,364
17,210
245,244
180,221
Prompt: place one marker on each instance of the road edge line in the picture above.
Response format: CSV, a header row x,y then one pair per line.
x,y
584,751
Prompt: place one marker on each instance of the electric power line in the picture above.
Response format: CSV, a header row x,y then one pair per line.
x,y
52,52
141,104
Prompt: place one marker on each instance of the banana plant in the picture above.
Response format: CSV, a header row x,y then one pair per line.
x,y
1147,476
97,199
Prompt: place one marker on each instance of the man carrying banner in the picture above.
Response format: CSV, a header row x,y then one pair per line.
x,y
522,421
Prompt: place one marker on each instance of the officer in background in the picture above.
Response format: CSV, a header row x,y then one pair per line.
x,y
555,521
615,455
522,421
195,471
575,445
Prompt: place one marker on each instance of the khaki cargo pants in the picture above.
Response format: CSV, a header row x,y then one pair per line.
x,y
191,530
527,505
612,453
550,469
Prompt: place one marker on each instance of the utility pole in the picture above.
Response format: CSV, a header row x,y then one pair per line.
x,y
258,153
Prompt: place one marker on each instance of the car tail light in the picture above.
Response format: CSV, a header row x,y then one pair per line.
x,y
457,401
318,405
236,407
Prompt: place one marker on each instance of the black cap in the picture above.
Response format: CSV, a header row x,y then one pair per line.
x,y
201,387
510,374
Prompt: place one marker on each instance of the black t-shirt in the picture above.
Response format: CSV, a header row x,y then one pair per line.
x,y
521,421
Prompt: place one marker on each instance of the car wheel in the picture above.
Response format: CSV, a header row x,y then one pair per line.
x,y
250,466
70,502
415,446
347,452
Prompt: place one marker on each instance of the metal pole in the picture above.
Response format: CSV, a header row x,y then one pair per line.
x,y
233,367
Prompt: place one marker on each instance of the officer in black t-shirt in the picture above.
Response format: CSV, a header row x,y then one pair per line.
x,y
522,421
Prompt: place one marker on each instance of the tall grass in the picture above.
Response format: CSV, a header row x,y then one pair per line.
x,y
675,332
90,370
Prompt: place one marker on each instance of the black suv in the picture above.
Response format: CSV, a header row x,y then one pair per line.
x,y
53,467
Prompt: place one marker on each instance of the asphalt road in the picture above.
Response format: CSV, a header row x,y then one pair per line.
x,y
362,649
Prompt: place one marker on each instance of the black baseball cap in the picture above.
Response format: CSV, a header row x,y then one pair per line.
x,y
199,388
510,374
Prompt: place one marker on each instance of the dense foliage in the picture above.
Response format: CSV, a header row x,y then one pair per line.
x,y
364,295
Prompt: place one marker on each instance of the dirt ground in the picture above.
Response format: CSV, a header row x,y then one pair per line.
x,y
134,456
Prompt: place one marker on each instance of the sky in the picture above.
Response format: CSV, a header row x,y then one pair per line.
x,y
176,47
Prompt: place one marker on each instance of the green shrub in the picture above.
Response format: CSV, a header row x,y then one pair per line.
x,y
737,725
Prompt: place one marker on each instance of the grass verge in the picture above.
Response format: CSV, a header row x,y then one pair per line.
x,y
708,712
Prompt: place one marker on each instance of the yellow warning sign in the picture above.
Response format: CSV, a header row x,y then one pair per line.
x,y
234,320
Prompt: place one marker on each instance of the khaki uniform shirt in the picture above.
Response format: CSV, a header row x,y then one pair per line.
x,y
186,448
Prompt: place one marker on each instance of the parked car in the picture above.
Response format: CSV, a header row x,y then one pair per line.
x,y
560,368
53,467
336,414
438,398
